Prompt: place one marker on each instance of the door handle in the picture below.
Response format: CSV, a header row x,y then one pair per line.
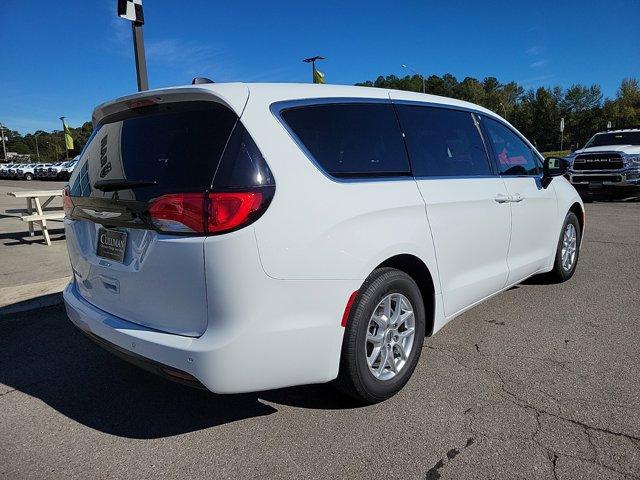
x,y
502,198
516,197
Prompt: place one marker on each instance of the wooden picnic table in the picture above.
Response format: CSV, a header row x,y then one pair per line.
x,y
33,200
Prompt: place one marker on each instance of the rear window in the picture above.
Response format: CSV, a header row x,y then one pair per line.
x,y
172,148
351,140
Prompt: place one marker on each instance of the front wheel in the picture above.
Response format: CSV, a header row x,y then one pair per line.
x,y
568,249
383,337
28,177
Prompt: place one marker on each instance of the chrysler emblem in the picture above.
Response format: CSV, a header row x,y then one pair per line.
x,y
102,215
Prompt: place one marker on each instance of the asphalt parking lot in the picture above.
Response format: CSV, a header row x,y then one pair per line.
x,y
541,382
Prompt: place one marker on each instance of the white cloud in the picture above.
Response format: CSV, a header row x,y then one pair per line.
x,y
539,63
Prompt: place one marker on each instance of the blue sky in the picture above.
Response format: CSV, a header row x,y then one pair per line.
x,y
65,57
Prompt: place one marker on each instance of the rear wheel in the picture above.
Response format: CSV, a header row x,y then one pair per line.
x,y
568,249
28,176
383,337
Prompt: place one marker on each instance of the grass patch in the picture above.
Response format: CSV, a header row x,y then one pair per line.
x,y
557,153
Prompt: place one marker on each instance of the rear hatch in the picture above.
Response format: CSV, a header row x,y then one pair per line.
x,y
147,271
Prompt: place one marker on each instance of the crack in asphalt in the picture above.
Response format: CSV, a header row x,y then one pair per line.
x,y
537,411
494,322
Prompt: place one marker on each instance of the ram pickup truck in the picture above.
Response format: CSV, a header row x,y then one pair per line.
x,y
25,172
66,170
42,170
608,163
4,170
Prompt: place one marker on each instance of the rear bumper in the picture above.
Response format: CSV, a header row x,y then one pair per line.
x,y
145,363
252,356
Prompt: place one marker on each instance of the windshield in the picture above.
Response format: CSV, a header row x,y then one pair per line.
x,y
614,138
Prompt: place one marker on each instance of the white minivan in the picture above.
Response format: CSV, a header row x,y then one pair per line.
x,y
243,237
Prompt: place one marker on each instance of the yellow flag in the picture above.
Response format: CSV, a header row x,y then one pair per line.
x,y
318,76
68,140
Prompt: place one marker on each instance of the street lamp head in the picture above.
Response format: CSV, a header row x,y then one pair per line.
x,y
313,59
404,66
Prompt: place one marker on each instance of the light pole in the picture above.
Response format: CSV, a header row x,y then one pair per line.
x,y
424,89
132,10
64,136
37,149
4,147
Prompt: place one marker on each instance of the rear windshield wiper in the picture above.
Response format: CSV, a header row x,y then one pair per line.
x,y
115,184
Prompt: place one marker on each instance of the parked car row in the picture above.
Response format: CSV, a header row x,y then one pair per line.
x,y
40,171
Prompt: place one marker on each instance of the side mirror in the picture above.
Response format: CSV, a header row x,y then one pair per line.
x,y
553,167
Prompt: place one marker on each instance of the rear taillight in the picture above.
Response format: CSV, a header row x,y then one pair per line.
x,y
231,210
67,203
178,212
211,213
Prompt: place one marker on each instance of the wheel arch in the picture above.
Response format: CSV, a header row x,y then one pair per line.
x,y
420,273
579,212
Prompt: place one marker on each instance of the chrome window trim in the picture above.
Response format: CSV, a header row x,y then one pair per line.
x,y
456,177
278,107
435,105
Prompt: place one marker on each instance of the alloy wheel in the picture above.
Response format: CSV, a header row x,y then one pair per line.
x,y
390,336
569,247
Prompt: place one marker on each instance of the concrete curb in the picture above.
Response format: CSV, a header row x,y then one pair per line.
x,y
22,298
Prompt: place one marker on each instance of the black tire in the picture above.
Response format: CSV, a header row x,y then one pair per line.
x,y
559,274
355,379
28,177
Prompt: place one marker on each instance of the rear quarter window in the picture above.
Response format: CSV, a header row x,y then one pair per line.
x,y
351,140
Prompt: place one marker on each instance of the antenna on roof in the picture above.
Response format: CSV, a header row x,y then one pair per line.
x,y
201,80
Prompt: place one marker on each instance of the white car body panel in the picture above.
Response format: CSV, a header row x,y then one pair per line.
x,y
176,282
532,242
314,246
470,268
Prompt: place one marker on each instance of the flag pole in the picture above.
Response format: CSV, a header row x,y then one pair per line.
x,y
64,138
312,61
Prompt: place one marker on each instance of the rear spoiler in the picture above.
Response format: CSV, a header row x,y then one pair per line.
x,y
232,95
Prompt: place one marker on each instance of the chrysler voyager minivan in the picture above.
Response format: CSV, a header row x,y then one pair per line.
x,y
243,237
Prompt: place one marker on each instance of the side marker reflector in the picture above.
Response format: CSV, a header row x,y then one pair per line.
x,y
347,309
